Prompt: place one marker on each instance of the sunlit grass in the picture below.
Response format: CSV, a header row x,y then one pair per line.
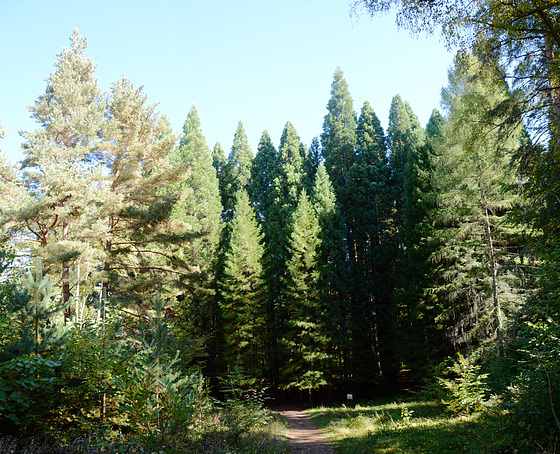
x,y
408,427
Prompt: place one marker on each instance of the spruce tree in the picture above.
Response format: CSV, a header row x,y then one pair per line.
x,y
477,245
304,342
243,292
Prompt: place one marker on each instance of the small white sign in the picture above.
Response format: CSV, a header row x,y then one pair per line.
x,y
349,396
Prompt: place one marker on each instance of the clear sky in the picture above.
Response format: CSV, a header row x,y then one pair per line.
x,y
261,62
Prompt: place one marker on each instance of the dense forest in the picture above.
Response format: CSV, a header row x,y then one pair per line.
x,y
149,280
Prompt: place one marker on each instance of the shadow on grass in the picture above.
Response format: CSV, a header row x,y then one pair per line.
x,y
413,427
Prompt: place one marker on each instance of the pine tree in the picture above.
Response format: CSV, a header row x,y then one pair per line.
x,y
243,291
304,342
137,198
59,165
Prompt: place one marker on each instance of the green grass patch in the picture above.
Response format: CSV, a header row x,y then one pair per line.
x,y
415,426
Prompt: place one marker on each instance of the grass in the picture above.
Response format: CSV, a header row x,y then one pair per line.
x,y
415,426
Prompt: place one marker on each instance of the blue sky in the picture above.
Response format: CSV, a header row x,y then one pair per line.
x,y
261,62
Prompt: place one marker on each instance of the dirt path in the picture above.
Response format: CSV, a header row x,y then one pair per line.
x,y
304,435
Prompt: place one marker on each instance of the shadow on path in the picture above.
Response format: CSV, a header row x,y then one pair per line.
x,y
304,435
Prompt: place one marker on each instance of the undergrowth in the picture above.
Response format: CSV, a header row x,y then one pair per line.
x,y
413,426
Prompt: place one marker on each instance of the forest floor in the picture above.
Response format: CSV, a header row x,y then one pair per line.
x,y
304,437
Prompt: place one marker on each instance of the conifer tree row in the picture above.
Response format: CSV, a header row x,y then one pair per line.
x,y
344,264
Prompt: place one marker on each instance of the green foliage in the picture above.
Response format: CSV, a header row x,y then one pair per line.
x,y
465,384
338,139
27,388
243,409
243,291
33,316
477,249
158,403
237,171
262,175
304,343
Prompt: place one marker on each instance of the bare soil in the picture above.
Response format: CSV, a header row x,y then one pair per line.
x,y
304,436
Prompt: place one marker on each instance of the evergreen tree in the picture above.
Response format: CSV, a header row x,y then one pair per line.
x,y
339,137
237,172
304,342
198,214
333,279
243,291
219,161
370,213
262,176
477,245
420,339
283,198
58,168
405,137
138,197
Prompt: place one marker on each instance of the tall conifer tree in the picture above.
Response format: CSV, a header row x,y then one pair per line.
x,y
59,161
138,198
219,161
339,137
304,341
477,245
198,213
333,280
420,339
237,172
243,291
283,199
200,210
370,213
262,174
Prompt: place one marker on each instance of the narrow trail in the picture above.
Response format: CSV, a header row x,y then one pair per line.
x,y
304,436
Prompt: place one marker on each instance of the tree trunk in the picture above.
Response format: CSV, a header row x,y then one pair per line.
x,y
66,275
493,271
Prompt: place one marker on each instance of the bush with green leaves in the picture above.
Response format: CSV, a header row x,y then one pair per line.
x,y
243,408
465,385
27,389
